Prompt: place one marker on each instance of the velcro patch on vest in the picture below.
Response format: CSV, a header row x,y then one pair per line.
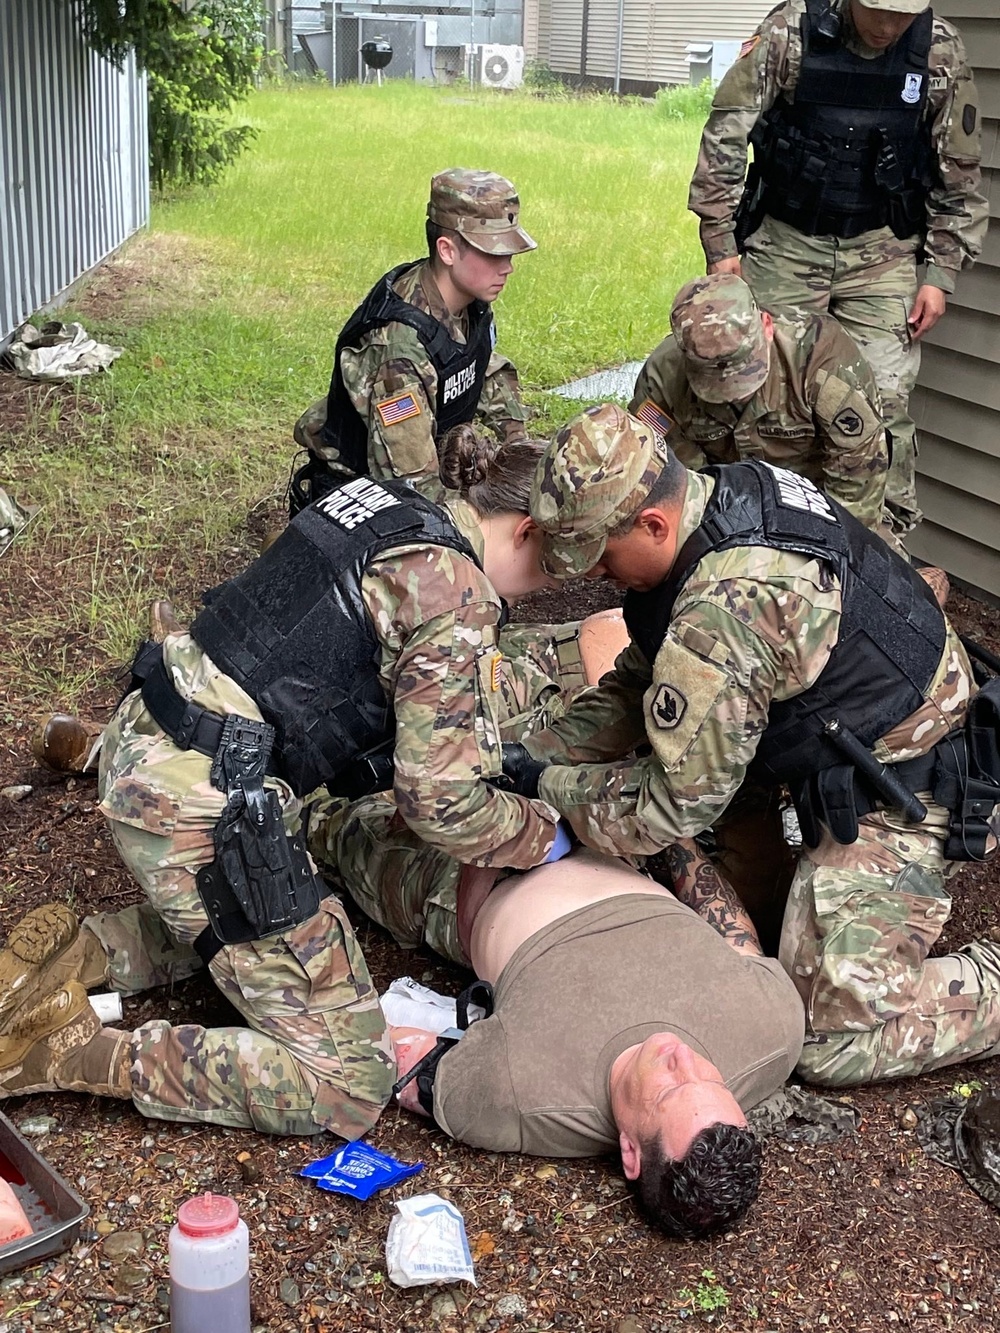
x,y
656,417
796,492
459,383
668,707
911,89
357,502
400,408
849,422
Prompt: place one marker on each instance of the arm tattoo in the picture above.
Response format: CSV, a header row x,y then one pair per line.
x,y
700,885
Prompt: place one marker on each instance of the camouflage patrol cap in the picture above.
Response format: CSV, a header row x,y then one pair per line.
x,y
896,6
718,329
593,475
482,207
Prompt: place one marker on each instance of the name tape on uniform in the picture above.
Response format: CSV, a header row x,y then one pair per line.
x,y
356,502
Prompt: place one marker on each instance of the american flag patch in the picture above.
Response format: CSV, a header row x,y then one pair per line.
x,y
400,408
655,417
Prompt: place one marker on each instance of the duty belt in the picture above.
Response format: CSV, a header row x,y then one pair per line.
x,y
188,725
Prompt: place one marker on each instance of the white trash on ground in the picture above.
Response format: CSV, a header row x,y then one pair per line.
x,y
427,1243
408,1004
58,352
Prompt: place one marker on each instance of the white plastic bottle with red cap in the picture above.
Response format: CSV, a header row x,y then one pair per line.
x,y
209,1267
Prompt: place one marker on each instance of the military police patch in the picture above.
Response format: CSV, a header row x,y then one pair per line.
x,y
849,422
668,707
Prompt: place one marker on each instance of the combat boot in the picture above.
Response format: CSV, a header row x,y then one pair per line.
x,y
41,1039
67,744
44,950
162,620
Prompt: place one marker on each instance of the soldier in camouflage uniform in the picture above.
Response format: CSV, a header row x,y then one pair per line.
x,y
730,382
739,635
315,1053
842,203
389,387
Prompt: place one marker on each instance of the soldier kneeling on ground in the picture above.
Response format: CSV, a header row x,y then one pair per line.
x,y
362,651
778,644
418,355
732,381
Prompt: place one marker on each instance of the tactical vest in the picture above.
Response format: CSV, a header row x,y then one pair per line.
x,y
852,152
292,630
460,367
892,632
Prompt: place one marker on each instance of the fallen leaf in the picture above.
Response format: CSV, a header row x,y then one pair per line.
x,y
482,1245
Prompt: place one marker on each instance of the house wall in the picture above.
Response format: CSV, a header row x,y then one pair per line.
x,y
957,402
579,38
74,166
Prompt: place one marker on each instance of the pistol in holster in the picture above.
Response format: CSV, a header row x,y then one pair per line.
x,y
261,881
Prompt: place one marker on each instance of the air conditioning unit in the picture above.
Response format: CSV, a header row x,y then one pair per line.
x,y
501,66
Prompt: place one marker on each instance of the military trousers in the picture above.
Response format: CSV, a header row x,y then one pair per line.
x,y
868,283
314,1053
394,877
860,923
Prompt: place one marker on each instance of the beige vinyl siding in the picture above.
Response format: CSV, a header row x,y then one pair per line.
x,y
565,35
655,35
529,29
957,402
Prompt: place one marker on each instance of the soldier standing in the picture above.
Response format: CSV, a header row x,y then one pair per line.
x,y
865,129
731,382
777,640
418,355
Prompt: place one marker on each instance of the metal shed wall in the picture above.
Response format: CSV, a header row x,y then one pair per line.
x,y
74,162
580,37
957,402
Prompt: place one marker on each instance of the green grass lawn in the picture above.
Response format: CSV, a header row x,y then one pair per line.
x,y
229,308
333,193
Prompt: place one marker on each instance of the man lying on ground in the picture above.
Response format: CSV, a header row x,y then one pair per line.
x,y
623,1017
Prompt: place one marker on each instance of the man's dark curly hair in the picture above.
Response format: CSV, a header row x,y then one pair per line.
x,y
709,1189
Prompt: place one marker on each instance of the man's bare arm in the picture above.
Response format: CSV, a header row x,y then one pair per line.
x,y
698,884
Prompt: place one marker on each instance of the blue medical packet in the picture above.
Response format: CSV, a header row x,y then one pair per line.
x,y
359,1170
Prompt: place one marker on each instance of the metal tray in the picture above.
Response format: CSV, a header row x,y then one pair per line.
x,y
54,1210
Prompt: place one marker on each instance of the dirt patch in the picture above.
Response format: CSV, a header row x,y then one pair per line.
x,y
863,1234
151,273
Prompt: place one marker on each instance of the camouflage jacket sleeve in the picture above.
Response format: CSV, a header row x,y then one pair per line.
x,y
846,410
436,617
769,64
737,642
957,212
393,385
500,405
662,382
602,723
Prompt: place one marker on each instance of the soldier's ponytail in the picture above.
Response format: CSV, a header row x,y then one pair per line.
x,y
494,477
